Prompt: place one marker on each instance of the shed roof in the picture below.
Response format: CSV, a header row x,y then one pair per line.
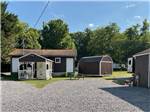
x,y
46,52
145,52
93,58
33,58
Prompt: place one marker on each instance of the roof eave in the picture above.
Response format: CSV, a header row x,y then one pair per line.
x,y
136,55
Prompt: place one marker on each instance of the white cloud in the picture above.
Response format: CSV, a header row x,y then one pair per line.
x,y
57,16
137,17
130,5
91,25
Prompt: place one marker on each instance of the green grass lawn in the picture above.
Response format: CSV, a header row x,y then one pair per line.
x,y
43,83
119,74
119,77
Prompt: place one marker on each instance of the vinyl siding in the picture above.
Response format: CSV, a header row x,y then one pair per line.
x,y
141,69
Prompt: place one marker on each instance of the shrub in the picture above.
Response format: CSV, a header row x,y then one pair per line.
x,y
14,76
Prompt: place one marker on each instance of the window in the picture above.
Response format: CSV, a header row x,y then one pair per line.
x,y
29,65
129,62
57,60
47,66
23,67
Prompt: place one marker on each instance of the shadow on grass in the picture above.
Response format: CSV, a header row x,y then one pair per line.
x,y
120,81
139,97
8,78
3,77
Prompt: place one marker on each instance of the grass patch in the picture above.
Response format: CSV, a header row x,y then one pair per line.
x,y
118,74
43,83
119,77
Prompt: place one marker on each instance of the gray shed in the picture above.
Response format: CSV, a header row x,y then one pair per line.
x,y
96,65
142,68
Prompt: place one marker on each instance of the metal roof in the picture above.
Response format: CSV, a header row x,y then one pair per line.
x,y
145,52
93,58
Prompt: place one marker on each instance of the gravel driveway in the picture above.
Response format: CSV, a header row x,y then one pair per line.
x,y
89,95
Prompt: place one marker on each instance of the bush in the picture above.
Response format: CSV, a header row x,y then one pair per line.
x,y
14,76
71,75
6,77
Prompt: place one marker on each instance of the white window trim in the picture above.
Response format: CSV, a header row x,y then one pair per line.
x,y
58,58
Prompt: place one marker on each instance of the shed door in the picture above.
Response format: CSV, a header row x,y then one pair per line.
x,y
69,65
106,68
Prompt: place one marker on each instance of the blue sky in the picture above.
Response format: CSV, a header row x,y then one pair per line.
x,y
80,15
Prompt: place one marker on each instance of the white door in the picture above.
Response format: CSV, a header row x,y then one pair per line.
x,y
69,65
130,64
15,62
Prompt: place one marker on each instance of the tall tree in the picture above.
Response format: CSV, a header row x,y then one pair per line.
x,y
27,36
79,38
54,35
132,33
101,42
145,34
9,30
68,42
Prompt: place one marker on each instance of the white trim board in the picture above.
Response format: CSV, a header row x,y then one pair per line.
x,y
36,55
106,61
57,58
100,68
69,64
106,56
141,54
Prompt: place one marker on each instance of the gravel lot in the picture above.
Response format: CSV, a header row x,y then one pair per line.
x,y
89,95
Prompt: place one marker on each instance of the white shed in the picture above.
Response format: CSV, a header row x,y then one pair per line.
x,y
34,66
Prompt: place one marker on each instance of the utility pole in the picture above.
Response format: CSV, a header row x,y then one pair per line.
x,y
23,46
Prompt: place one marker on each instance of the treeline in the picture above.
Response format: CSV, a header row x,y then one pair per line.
x,y
109,40
55,35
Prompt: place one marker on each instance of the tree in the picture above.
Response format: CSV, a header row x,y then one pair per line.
x,y
68,42
136,41
145,34
54,35
132,33
145,27
29,36
101,42
108,40
79,38
9,30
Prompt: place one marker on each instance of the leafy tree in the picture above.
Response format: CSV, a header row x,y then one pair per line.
x,y
145,34
68,42
145,27
79,38
9,30
101,42
27,36
54,35
89,35
108,40
132,33
117,53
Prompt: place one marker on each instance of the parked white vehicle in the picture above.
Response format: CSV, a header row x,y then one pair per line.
x,y
118,66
